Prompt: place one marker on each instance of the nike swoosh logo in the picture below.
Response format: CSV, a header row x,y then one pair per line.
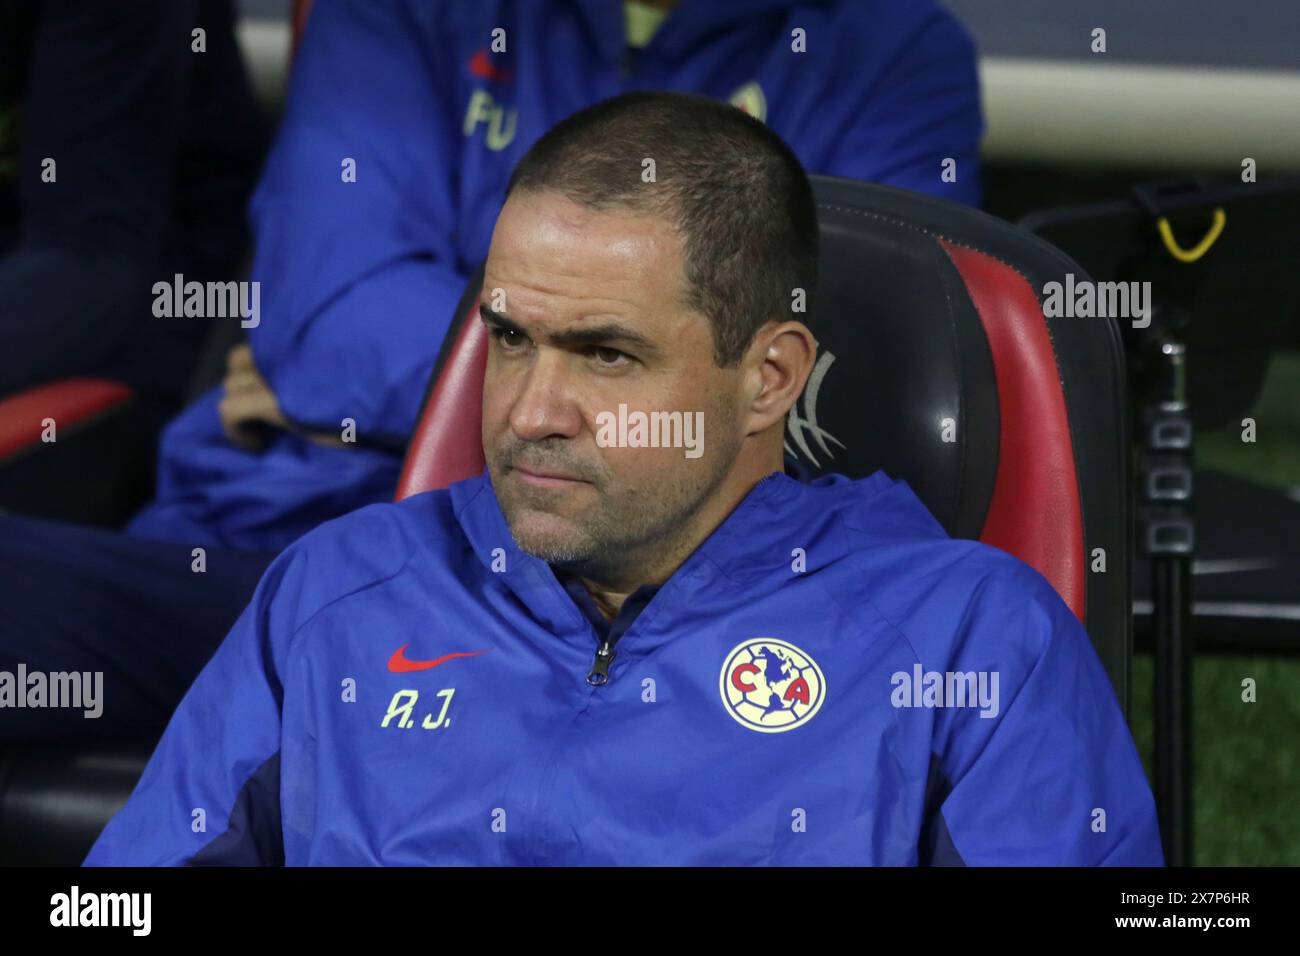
x,y
399,664
481,65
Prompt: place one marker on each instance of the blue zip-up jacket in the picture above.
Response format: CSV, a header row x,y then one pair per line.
x,y
359,278
408,687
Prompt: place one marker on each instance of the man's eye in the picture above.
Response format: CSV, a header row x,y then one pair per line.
x,y
609,358
499,334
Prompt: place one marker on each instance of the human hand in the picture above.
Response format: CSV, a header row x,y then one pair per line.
x,y
249,409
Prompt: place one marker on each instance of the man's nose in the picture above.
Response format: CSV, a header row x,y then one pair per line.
x,y
545,406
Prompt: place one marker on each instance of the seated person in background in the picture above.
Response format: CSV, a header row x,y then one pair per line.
x,y
125,157
592,654
375,206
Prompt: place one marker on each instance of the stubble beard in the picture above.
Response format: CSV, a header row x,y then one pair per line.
x,y
617,532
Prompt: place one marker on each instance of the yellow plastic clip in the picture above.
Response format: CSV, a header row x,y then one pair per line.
x,y
1202,247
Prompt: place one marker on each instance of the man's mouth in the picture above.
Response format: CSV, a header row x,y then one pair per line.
x,y
547,477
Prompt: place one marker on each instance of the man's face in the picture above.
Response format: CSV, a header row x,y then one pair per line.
x,y
585,313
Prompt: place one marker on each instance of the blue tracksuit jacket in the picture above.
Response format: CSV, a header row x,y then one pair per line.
x,y
359,279
408,687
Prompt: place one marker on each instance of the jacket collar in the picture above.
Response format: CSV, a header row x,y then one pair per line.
x,y
748,542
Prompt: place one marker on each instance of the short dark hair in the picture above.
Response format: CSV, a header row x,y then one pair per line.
x,y
736,193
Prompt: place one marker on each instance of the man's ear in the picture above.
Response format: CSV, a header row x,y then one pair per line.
x,y
778,363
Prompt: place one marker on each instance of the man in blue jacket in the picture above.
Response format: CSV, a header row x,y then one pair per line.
x,y
403,121
603,649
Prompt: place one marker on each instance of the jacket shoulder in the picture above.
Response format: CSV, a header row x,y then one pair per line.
x,y
356,551
933,588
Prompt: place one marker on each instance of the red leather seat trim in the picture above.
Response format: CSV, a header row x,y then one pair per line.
x,y
1035,512
448,442
68,401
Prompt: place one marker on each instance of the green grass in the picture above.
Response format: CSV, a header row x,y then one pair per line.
x,y
1245,763
1246,757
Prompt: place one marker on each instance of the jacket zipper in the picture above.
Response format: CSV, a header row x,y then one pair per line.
x,y
599,673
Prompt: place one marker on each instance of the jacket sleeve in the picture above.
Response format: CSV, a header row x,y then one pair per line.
x,y
210,792
922,108
355,219
1049,774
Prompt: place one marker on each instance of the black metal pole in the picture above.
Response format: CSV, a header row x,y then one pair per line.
x,y
1169,539
1171,592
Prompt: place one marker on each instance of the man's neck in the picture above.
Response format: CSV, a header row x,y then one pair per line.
x,y
610,588
609,603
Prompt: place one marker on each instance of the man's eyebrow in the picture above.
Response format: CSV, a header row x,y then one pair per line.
x,y
609,332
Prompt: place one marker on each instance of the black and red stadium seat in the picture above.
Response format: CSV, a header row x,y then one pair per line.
x,y
75,449
935,364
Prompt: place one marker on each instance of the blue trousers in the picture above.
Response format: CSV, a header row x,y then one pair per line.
x,y
89,601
